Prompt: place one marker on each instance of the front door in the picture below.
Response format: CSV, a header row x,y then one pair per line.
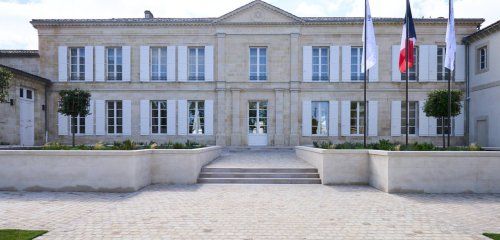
x,y
257,123
27,117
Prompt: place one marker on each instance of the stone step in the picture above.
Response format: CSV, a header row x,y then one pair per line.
x,y
260,180
259,170
258,175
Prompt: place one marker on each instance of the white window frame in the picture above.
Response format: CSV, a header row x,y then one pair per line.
x,y
443,73
159,52
80,62
356,60
260,75
196,109
23,94
115,117
482,61
260,106
439,127
358,127
320,75
413,70
320,130
116,75
159,117
415,117
199,61
80,124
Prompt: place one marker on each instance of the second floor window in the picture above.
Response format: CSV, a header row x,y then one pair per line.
x,y
483,58
258,63
319,118
77,64
114,63
413,71
412,125
356,59
357,118
196,63
158,63
158,117
196,117
442,72
320,63
78,125
114,117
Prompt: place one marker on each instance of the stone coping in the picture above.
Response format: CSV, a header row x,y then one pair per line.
x,y
401,153
106,152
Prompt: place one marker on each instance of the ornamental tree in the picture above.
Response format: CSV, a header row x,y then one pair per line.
x,y
437,106
5,77
74,103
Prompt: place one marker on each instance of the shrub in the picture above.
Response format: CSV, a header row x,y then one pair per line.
x,y
386,145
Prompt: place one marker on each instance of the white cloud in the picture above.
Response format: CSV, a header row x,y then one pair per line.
x,y
18,33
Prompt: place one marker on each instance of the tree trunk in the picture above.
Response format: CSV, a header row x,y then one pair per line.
x,y
73,130
442,131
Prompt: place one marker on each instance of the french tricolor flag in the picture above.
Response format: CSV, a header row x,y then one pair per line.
x,y
412,40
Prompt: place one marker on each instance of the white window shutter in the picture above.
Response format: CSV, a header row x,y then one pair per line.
x,y
346,63
126,51
460,64
145,110
432,63
89,120
62,124
333,118
334,63
183,62
127,117
306,118
89,63
423,120
144,64
100,64
209,117
171,112
209,63
373,72
432,126
423,63
396,74
307,63
100,117
460,122
373,118
182,118
62,63
396,118
171,63
345,118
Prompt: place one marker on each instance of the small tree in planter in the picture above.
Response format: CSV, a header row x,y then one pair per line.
x,y
74,103
5,77
437,106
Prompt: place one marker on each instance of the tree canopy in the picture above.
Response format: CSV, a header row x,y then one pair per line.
x,y
5,77
437,103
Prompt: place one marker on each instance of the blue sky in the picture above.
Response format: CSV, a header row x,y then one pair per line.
x,y
17,33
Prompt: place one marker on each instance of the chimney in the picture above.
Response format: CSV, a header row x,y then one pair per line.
x,y
148,14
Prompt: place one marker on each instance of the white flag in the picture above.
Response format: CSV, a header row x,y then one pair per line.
x,y
451,42
371,44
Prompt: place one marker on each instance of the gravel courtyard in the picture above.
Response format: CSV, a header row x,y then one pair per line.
x,y
252,212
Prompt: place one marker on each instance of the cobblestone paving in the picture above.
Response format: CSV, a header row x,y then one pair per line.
x,y
259,158
252,212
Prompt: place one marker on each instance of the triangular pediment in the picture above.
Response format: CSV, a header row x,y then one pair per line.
x,y
258,12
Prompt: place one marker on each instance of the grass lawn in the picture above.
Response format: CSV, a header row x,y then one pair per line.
x,y
17,234
494,236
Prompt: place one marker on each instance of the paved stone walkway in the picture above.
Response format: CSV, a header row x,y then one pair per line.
x,y
252,212
259,158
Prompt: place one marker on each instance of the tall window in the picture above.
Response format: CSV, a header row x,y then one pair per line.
x,y
158,117
77,64
413,71
320,63
114,117
196,117
78,125
257,117
197,63
319,118
412,126
483,58
440,128
357,118
258,63
114,63
442,72
159,63
356,59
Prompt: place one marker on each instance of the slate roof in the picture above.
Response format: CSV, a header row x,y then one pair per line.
x,y
27,74
493,28
19,53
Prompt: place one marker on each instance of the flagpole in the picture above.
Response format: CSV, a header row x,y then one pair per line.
x,y
365,78
449,83
407,122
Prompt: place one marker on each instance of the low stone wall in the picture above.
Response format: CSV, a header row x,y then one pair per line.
x,y
100,171
403,172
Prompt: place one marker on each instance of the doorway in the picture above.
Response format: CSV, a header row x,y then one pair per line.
x,y
257,123
27,117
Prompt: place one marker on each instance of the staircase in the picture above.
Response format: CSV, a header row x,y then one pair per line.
x,y
259,175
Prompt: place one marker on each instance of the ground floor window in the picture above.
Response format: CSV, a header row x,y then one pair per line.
x,y
440,122
319,118
114,110
78,125
158,117
257,117
357,118
412,126
196,117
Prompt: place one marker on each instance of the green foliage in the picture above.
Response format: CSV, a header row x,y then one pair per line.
x,y
416,146
389,146
437,103
494,236
125,145
4,143
74,102
177,145
17,234
5,77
